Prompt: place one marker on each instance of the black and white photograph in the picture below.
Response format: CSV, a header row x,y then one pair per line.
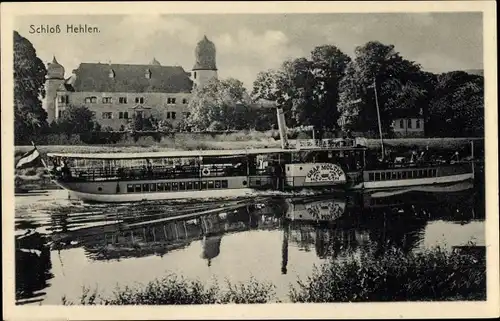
x,y
250,158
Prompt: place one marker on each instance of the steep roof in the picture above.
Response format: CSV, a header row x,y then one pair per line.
x,y
95,77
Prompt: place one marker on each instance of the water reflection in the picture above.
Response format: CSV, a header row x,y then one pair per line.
x,y
320,227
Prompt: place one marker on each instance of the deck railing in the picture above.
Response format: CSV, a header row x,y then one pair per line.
x,y
156,172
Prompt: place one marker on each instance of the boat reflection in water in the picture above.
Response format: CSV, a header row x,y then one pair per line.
x,y
321,228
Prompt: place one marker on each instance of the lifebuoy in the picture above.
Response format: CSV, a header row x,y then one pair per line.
x,y
206,172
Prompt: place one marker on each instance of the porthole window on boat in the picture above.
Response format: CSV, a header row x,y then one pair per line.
x,y
224,184
99,189
245,183
300,168
217,184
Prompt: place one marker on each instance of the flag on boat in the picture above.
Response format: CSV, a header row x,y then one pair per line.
x,y
28,158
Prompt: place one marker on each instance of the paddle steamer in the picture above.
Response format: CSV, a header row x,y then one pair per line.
x,y
339,164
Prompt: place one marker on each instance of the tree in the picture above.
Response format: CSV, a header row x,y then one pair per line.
x,y
77,120
458,105
400,85
29,76
223,103
307,90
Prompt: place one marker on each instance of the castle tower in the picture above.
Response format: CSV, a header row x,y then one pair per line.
x,y
54,79
205,67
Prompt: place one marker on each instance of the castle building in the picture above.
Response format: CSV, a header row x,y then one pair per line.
x,y
115,93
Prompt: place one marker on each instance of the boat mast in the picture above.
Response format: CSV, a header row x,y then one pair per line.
x,y
378,117
282,127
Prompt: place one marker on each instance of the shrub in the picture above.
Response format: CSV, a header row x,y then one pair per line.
x,y
395,276
177,290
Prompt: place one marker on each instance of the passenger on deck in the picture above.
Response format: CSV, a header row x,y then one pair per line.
x,y
65,168
455,158
413,157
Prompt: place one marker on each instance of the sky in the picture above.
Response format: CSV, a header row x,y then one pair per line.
x,y
249,43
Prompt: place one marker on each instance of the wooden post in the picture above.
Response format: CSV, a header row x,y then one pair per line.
x,y
473,161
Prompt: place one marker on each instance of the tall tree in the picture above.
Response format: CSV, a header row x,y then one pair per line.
x,y
29,77
458,105
221,104
400,84
307,89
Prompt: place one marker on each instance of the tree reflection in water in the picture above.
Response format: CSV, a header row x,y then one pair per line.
x,y
366,225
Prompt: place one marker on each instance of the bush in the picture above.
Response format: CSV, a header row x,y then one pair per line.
x,y
395,276
177,290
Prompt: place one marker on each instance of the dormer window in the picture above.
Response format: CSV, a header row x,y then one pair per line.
x,y
111,73
148,74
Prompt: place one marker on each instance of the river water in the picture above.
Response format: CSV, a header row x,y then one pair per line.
x,y
276,238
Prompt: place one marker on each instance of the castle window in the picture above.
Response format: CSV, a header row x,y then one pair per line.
x,y
107,115
170,100
111,73
106,100
168,115
89,100
401,123
148,74
125,115
409,123
63,99
195,75
59,114
122,100
417,123
184,101
139,100
173,115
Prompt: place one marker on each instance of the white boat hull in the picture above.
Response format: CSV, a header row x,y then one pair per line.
x,y
413,182
158,196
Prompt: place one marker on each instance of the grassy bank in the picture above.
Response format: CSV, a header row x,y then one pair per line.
x,y
234,141
395,276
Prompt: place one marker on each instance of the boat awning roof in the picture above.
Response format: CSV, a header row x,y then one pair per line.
x,y
170,154
197,153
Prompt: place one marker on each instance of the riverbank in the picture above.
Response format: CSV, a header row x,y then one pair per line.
x,y
432,275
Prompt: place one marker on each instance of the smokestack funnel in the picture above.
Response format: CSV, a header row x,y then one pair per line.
x,y
282,128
